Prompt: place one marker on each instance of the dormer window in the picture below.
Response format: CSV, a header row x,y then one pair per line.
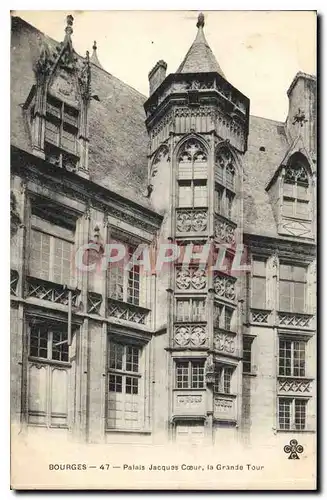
x,y
296,190
61,130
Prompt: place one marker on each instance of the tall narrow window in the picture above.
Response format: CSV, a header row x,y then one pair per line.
x,y
61,129
223,317
124,386
224,183
48,373
247,354
192,175
124,283
223,379
51,251
259,283
292,358
292,288
296,189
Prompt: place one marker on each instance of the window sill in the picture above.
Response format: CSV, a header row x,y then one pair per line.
x,y
190,389
128,431
293,431
53,362
249,374
225,395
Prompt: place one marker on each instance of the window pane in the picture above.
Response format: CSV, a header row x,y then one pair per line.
x,y
115,383
286,272
302,192
227,380
60,345
285,357
52,132
218,199
197,375
228,318
285,302
299,297
219,173
229,204
71,115
132,359
299,359
300,414
198,310
247,354
116,356
133,291
302,209
182,375
185,170
61,260
288,207
300,273
200,195
219,380
284,413
116,279
68,139
289,190
183,310
185,196
131,386
259,267
40,255
259,292
39,342
200,167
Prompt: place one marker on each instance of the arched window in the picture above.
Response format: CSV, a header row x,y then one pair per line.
x,y
192,175
296,189
224,182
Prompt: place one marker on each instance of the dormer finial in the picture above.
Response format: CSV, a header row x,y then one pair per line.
x,y
200,23
94,45
69,27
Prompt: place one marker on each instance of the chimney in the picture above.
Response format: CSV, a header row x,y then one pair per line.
x,y
157,75
301,118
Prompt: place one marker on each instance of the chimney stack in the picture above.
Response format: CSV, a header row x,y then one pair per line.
x,y
157,75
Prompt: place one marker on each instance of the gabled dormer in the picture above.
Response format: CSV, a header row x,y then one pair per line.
x,y
292,193
57,105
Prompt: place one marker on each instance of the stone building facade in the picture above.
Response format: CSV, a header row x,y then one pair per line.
x,y
187,353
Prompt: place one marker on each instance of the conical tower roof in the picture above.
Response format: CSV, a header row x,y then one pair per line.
x,y
200,58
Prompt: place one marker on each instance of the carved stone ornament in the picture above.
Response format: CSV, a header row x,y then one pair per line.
x,y
193,335
191,220
224,231
296,173
224,342
224,287
191,278
192,150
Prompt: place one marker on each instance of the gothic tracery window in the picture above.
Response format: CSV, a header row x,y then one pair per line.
x,y
192,175
296,189
224,182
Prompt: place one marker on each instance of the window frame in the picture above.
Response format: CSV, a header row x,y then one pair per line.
x,y
293,195
293,358
50,330
129,295
192,318
122,372
53,237
261,277
191,364
293,282
192,177
223,375
221,316
248,359
59,120
293,425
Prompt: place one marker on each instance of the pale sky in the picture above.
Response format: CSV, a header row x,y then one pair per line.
x,y
259,52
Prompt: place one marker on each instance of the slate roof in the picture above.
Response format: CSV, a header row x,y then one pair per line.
x,y
118,137
200,58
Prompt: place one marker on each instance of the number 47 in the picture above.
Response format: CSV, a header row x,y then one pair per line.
x,y
104,466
